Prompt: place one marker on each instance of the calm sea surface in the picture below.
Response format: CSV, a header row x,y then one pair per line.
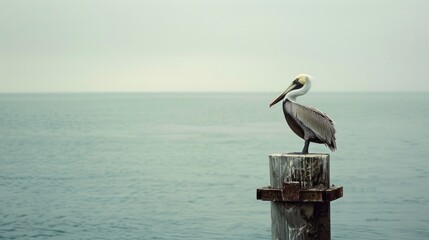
x,y
186,166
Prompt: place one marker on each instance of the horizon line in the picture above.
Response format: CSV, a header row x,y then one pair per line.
x,y
196,92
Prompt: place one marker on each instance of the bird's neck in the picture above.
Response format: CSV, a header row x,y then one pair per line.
x,y
292,95
291,98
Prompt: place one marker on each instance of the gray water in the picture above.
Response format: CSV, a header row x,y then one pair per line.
x,y
186,166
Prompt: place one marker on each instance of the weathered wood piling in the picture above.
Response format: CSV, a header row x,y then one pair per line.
x,y
300,195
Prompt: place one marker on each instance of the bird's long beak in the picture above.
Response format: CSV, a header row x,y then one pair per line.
x,y
281,96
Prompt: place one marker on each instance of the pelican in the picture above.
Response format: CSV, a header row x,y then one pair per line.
x,y
307,122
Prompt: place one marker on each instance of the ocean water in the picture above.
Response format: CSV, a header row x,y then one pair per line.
x,y
186,166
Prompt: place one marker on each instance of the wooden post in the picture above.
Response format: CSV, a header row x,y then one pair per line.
x,y
300,193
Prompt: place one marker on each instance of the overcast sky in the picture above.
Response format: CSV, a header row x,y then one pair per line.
x,y
213,45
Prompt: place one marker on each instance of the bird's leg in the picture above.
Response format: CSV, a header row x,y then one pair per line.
x,y
306,145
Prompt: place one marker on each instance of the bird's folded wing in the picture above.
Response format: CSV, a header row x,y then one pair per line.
x,y
318,122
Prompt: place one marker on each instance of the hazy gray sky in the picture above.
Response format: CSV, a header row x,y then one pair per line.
x,y
212,45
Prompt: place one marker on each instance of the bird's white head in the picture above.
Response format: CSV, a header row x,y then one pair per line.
x,y
298,87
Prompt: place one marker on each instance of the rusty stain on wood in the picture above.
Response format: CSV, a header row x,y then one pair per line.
x,y
290,191
296,195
